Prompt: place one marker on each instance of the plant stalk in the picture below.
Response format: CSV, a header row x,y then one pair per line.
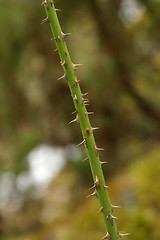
x,y
82,117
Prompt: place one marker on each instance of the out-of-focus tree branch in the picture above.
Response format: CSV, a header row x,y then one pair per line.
x,y
118,45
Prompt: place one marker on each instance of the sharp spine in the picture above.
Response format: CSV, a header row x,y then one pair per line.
x,y
100,210
105,187
76,65
74,120
113,207
97,182
93,194
45,2
57,10
45,20
98,149
74,112
64,35
76,82
53,39
95,128
103,162
75,98
121,235
81,143
94,186
111,218
64,76
84,94
64,63
85,159
107,236
86,101
90,113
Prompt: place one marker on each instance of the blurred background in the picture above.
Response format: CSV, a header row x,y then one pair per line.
x,y
43,182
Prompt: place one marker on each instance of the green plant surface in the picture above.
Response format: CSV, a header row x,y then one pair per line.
x,y
82,118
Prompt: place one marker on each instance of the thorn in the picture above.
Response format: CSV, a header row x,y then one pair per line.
x,y
53,39
105,187
45,20
76,82
86,101
99,149
123,234
113,217
74,120
110,217
95,128
103,162
97,182
94,186
76,65
59,38
74,112
64,76
64,64
100,210
85,159
93,194
113,207
83,142
64,35
84,94
75,98
57,10
90,113
45,2
107,236
55,50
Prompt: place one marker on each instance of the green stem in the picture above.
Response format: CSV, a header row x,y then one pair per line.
x,y
82,117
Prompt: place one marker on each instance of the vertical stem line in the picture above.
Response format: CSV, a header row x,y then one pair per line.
x,y
84,122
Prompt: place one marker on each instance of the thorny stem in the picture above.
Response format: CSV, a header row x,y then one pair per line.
x,y
100,189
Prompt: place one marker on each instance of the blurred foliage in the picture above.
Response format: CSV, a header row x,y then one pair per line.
x,y
65,213
118,42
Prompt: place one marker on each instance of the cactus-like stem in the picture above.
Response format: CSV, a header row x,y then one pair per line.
x,y
100,189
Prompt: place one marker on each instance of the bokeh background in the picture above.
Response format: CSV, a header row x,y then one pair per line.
x,y
43,182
